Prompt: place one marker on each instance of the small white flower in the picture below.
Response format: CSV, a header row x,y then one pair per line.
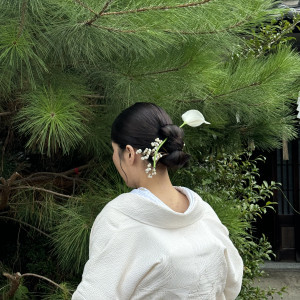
x,y
193,118
149,165
139,151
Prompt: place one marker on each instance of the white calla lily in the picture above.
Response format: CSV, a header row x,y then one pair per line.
x,y
193,118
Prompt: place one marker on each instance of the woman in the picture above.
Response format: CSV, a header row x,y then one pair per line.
x,y
158,241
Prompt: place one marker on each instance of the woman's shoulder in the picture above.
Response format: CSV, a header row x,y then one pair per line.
x,y
122,209
112,208
117,205
111,218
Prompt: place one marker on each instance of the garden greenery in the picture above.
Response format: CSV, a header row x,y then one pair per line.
x,y
67,68
230,184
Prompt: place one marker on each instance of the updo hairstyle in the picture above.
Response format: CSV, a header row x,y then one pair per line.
x,y
140,124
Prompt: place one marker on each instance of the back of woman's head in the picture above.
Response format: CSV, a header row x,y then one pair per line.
x,y
140,124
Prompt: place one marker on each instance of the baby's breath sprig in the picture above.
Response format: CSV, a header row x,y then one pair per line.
x,y
151,171
157,155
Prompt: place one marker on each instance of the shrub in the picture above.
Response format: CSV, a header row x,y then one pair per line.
x,y
229,183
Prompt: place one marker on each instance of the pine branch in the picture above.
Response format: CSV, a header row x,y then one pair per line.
x,y
96,96
221,95
162,71
15,282
143,9
156,8
105,7
131,77
99,14
12,183
35,188
211,32
14,285
85,6
41,178
6,113
44,278
240,88
22,22
46,177
49,174
257,83
111,29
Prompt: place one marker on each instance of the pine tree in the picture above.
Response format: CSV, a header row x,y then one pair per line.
x,y
68,67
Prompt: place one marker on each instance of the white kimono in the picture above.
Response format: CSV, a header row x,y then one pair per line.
x,y
142,250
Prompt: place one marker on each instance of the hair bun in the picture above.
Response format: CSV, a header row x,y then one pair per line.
x,y
175,158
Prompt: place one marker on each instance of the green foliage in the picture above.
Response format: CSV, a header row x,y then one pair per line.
x,y
36,208
270,36
97,143
17,52
229,183
257,293
76,218
176,53
53,120
55,293
68,67
73,233
22,293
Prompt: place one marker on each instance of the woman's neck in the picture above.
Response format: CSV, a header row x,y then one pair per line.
x,y
161,186
158,183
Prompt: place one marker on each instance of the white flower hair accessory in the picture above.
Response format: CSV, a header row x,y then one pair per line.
x,y
155,156
193,118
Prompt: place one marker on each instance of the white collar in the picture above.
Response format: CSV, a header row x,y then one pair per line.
x,y
148,212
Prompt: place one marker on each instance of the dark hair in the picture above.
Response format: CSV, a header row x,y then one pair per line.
x,y
140,124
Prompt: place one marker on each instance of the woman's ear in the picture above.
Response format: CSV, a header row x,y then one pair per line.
x,y
130,154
